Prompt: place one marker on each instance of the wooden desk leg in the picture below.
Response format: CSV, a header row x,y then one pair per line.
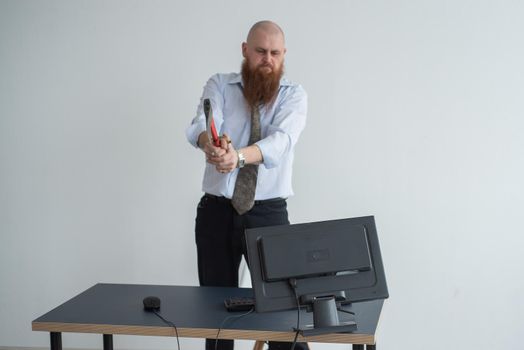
x,y
108,342
358,346
56,341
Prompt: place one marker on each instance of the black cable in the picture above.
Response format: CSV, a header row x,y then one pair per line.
x,y
293,283
295,340
225,320
170,324
347,312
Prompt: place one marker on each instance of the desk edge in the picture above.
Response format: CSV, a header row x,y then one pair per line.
x,y
345,338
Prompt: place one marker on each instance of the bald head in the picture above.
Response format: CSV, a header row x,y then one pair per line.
x,y
268,27
265,47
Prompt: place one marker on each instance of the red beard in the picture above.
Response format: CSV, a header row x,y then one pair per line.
x,y
260,88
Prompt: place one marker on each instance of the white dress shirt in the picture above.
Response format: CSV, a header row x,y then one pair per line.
x,y
280,124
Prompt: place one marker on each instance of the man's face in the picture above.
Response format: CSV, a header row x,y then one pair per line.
x,y
264,51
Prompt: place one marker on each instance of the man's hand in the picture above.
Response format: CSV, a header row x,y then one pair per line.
x,y
227,160
224,158
209,149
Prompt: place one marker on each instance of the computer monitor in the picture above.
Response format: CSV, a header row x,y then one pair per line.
x,y
322,264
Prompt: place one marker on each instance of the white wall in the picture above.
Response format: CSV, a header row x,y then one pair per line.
x,y
416,117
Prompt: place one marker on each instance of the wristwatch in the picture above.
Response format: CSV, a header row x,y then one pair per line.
x,y
241,160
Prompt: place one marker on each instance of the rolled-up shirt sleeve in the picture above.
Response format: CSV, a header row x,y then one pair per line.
x,y
284,131
198,124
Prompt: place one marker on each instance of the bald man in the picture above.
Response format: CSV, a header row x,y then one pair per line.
x,y
260,116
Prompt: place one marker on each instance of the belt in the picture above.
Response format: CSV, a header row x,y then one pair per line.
x,y
221,199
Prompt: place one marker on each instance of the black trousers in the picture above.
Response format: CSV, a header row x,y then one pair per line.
x,y
220,241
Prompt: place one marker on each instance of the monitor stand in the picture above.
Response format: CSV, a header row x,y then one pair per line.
x,y
325,319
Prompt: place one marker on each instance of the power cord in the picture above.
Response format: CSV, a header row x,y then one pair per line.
x,y
228,318
346,311
170,324
293,283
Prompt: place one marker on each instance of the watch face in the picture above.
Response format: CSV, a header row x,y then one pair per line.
x,y
241,160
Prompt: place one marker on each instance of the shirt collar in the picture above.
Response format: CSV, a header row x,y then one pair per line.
x,y
236,78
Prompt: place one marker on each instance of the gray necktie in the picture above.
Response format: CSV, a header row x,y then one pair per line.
x,y
244,193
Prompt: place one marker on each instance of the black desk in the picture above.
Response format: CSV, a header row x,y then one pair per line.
x,y
197,312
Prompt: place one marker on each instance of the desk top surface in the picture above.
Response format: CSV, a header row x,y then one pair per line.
x,y
196,311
